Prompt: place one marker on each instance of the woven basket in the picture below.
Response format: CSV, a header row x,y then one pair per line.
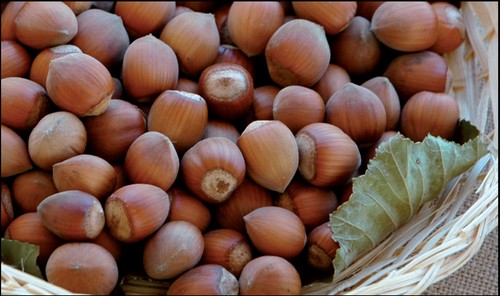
x,y
442,237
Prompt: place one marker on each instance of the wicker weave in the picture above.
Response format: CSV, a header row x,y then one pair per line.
x,y
439,239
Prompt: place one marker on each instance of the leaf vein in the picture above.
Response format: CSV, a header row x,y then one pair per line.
x,y
418,198
391,187
400,170
357,227
383,208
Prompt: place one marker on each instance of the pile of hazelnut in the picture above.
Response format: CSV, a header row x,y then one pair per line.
x,y
211,140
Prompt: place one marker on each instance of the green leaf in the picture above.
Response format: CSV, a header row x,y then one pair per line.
x,y
398,181
22,256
